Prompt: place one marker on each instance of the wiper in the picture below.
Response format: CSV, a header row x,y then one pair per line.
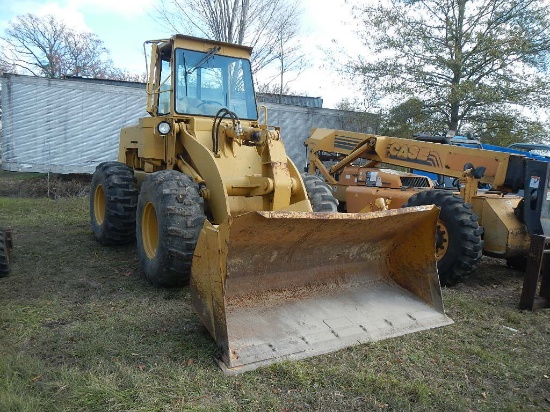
x,y
207,57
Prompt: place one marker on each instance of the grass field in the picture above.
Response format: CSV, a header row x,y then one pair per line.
x,y
81,330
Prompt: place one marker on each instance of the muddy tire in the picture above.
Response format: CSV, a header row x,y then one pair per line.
x,y
4,257
319,194
459,244
170,216
113,201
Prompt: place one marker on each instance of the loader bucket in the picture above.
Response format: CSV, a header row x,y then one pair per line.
x,y
271,286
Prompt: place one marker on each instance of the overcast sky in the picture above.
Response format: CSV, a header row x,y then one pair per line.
x,y
124,25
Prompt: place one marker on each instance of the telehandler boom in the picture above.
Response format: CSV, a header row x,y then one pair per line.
x,y
211,196
471,222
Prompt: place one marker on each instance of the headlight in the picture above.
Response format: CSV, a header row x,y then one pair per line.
x,y
164,128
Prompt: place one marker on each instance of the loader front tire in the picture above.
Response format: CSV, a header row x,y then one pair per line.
x,y
170,216
459,244
319,194
113,200
4,257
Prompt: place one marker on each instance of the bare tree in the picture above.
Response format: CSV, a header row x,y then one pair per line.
x,y
85,55
47,47
287,54
124,75
269,26
34,45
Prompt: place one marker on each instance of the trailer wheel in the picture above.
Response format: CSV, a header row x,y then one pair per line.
x,y
113,200
4,257
319,194
459,244
170,216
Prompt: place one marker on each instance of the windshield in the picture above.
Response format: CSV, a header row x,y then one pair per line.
x,y
205,82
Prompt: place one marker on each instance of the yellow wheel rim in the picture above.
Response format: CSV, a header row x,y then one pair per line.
x,y
149,230
99,205
442,240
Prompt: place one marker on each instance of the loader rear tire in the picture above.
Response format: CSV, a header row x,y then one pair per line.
x,y
4,258
113,201
319,194
459,244
170,216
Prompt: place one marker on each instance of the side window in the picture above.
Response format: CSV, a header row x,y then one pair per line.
x,y
241,97
165,85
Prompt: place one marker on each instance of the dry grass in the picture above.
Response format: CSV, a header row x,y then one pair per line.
x,y
81,330
53,186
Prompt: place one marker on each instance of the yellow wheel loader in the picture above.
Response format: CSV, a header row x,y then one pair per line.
x,y
472,221
275,272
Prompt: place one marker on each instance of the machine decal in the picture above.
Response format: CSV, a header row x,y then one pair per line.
x,y
413,153
346,143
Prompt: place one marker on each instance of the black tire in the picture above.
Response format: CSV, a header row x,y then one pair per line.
x,y
4,257
170,216
319,194
113,202
459,244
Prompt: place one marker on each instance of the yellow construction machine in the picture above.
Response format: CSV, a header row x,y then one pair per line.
x,y
212,198
485,215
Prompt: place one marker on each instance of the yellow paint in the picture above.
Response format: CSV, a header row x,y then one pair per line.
x,y
504,234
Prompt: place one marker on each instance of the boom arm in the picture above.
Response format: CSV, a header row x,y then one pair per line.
x,y
484,165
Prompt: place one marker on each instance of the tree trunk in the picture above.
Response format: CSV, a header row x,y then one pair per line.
x,y
455,98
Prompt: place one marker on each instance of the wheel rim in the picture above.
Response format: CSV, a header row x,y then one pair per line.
x,y
99,204
149,230
441,241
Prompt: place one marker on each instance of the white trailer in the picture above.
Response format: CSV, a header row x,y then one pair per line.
x,y
71,125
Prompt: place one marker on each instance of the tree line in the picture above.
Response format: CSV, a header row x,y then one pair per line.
x,y
45,46
463,65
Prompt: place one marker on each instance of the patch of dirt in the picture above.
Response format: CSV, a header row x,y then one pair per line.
x,y
490,277
53,186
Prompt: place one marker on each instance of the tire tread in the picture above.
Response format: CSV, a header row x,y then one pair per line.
x,y
182,218
470,249
319,194
120,189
